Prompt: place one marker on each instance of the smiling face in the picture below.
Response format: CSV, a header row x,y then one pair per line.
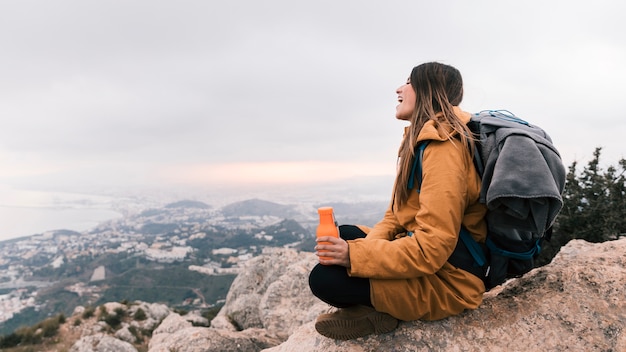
x,y
406,97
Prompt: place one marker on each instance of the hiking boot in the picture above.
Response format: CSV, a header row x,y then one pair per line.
x,y
352,322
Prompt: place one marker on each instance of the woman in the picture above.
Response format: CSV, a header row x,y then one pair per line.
x,y
400,269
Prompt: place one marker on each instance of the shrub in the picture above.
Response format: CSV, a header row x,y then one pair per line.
x,y
28,335
88,313
120,312
181,311
594,204
49,327
140,315
10,340
136,333
103,311
211,313
113,320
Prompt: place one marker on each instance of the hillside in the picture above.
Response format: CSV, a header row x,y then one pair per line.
x,y
270,308
258,207
155,255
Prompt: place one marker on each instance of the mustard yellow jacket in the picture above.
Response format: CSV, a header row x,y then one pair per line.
x,y
410,277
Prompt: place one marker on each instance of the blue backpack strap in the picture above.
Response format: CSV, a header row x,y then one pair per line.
x,y
416,170
473,247
493,248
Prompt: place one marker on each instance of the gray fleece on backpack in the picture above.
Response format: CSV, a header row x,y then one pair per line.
x,y
523,178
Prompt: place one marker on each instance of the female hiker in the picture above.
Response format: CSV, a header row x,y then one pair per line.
x,y
400,269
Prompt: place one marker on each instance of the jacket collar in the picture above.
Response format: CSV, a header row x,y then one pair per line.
x,y
432,130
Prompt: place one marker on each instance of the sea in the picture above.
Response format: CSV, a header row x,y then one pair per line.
x,y
30,212
27,212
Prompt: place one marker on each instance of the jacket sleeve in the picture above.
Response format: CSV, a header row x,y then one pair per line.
x,y
434,216
387,228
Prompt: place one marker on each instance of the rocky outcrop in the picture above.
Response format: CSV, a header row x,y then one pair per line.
x,y
265,304
272,293
575,303
96,334
177,334
196,339
101,342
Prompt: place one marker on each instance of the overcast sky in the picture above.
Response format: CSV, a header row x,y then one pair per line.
x,y
159,93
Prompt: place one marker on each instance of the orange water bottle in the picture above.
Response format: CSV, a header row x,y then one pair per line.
x,y
327,225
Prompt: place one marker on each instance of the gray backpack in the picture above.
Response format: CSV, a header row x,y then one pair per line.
x,y
522,179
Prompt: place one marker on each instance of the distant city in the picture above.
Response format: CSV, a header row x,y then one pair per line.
x,y
189,235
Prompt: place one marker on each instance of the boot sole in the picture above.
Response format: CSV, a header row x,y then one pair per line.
x,y
344,329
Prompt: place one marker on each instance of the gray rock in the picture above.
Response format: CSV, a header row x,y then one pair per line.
x,y
124,334
272,293
222,322
576,303
95,328
197,339
171,324
78,310
111,307
288,302
154,311
196,319
101,343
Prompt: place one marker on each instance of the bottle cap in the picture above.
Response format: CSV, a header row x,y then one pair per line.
x,y
325,210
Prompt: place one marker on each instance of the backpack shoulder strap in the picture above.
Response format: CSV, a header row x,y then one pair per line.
x,y
416,169
475,250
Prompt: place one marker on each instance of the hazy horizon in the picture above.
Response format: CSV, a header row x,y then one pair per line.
x,y
117,97
29,212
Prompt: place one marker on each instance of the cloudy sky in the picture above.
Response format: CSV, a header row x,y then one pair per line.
x,y
161,93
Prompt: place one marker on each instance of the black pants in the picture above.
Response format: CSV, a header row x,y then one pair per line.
x,y
331,283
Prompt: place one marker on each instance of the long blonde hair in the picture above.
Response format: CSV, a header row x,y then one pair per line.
x,y
438,88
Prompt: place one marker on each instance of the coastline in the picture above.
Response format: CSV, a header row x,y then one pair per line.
x,y
17,222
28,212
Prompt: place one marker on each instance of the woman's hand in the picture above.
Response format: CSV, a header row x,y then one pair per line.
x,y
337,249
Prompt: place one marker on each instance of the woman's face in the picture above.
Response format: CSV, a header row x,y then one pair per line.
x,y
406,97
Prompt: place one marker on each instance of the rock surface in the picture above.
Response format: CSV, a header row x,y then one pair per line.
x,y
272,293
576,303
196,339
101,343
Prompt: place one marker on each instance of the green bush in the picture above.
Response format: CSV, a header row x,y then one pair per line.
x,y
28,335
594,204
10,340
88,313
211,312
102,311
50,326
120,312
181,311
136,333
113,320
35,334
140,315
